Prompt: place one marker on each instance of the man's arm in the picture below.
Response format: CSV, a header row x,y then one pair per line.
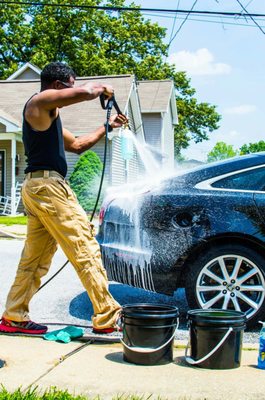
x,y
42,109
82,143
51,98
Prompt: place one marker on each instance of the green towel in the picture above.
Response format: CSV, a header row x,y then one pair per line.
x,y
64,335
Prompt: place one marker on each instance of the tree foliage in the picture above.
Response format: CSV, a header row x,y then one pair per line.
x,y
96,42
84,179
221,151
253,147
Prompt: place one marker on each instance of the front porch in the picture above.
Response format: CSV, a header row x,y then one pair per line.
x,y
11,171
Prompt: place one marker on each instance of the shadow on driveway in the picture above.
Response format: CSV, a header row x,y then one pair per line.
x,y
81,307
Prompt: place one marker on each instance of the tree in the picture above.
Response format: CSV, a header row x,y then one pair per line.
x,y
84,179
221,151
97,42
253,147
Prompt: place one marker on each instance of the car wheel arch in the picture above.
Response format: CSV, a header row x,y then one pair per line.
x,y
238,261
213,243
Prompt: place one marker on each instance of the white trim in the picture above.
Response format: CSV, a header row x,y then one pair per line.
x,y
126,108
162,135
173,106
4,151
13,176
207,185
133,99
10,126
22,69
10,136
140,126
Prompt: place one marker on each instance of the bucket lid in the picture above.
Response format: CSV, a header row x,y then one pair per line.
x,y
139,310
217,316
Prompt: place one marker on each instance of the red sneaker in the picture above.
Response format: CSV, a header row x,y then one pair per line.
x,y
107,330
117,328
28,327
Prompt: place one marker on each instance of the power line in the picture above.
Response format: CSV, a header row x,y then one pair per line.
x,y
118,9
173,26
208,21
183,22
243,8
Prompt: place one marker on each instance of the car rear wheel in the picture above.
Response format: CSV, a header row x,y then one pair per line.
x,y
230,277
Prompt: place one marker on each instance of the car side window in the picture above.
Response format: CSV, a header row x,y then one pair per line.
x,y
248,180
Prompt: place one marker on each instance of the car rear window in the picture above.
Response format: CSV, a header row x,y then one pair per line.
x,y
248,180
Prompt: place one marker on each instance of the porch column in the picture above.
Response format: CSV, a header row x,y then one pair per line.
x,y
13,176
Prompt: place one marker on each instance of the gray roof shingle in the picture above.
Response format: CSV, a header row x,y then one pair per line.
x,y
79,118
155,95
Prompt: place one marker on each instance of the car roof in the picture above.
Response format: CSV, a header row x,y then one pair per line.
x,y
207,171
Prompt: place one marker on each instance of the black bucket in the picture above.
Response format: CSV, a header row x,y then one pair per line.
x,y
148,333
216,338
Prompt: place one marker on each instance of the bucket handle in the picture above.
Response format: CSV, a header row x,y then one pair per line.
x,y
149,350
194,362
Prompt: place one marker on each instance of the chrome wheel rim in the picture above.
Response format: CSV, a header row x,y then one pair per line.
x,y
231,282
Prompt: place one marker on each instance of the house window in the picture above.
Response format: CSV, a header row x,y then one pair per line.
x,y
2,165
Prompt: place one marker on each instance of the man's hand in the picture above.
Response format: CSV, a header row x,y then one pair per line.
x,y
108,91
117,120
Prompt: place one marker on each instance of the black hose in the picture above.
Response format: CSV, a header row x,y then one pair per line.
x,y
109,107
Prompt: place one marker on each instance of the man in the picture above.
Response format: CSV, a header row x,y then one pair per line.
x,y
54,215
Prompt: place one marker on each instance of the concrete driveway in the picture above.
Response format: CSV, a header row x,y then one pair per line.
x,y
99,369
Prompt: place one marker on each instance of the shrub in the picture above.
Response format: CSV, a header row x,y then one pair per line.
x,y
85,179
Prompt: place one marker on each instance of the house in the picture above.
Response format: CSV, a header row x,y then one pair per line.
x,y
150,106
159,115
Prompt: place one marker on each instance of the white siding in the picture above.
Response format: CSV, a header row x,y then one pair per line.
x,y
152,129
99,150
28,74
122,172
117,163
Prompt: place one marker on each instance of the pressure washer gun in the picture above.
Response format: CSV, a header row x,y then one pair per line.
x,y
127,146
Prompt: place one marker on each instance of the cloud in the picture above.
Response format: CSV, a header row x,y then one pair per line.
x,y
200,62
234,134
233,137
240,110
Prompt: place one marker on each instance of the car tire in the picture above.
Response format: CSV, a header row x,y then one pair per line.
x,y
223,276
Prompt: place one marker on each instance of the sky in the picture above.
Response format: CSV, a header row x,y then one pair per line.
x,y
225,61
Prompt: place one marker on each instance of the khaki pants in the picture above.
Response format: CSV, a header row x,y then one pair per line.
x,y
55,216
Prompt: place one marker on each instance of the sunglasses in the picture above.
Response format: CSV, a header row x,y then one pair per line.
x,y
67,85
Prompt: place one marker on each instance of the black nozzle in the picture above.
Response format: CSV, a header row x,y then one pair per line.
x,y
111,102
106,102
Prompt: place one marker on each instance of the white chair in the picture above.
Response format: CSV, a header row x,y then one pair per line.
x,y
6,204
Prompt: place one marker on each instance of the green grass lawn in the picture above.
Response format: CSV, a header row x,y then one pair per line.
x,y
54,394
32,394
19,220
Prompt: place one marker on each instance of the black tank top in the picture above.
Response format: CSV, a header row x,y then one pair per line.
x,y
44,149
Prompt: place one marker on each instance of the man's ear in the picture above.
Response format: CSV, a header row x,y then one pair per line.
x,y
56,85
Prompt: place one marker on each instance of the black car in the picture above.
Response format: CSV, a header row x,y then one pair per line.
x,y
203,230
